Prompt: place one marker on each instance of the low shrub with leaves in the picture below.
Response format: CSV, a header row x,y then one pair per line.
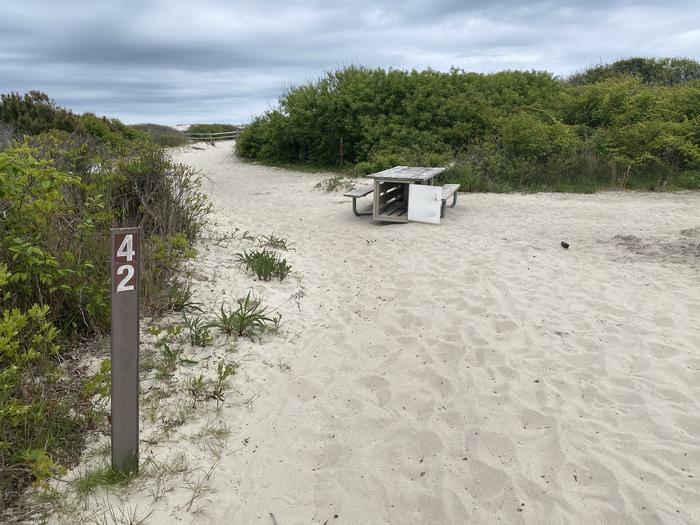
x,y
265,264
65,180
202,389
248,318
43,416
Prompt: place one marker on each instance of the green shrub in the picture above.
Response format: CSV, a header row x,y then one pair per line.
x,y
43,417
212,128
650,70
60,193
53,236
34,113
635,125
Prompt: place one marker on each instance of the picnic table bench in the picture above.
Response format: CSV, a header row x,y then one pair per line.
x,y
356,194
390,188
448,190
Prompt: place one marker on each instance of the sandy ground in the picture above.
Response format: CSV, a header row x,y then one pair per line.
x,y
471,372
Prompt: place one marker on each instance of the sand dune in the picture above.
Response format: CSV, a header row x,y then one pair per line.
x,y
476,371
471,372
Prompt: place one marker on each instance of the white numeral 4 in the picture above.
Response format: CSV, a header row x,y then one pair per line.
x,y
126,249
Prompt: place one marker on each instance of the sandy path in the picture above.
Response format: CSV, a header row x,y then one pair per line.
x,y
471,372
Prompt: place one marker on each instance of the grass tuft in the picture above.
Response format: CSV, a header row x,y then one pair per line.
x,y
199,331
89,480
180,297
265,264
248,318
274,242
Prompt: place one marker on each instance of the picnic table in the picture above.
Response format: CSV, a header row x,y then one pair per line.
x,y
391,190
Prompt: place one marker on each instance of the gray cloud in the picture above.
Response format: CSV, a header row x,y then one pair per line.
x,y
175,62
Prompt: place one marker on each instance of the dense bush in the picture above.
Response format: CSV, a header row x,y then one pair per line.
x,y
43,416
212,128
637,127
35,112
650,70
60,193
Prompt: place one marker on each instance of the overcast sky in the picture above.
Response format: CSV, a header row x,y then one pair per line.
x,y
173,62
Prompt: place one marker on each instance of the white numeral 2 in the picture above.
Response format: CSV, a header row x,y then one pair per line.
x,y
126,249
123,286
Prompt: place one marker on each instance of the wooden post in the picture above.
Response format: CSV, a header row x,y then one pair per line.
x,y
125,251
342,150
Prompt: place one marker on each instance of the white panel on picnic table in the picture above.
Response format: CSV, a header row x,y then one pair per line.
x,y
424,203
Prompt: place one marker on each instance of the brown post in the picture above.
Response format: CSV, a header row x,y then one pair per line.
x,y
125,252
342,150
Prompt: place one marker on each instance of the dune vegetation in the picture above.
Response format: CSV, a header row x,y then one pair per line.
x,y
212,128
163,135
632,124
65,180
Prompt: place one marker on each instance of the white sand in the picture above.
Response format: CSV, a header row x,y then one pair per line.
x,y
471,372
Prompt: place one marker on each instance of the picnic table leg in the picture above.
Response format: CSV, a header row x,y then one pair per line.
x,y
444,203
354,208
375,198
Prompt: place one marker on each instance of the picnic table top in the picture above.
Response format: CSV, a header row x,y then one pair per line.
x,y
407,173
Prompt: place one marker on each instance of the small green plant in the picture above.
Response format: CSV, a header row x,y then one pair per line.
x,y
199,331
180,297
265,264
170,358
170,333
197,388
282,268
273,241
223,372
248,318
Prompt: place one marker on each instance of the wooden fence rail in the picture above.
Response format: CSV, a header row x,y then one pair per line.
x,y
211,137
